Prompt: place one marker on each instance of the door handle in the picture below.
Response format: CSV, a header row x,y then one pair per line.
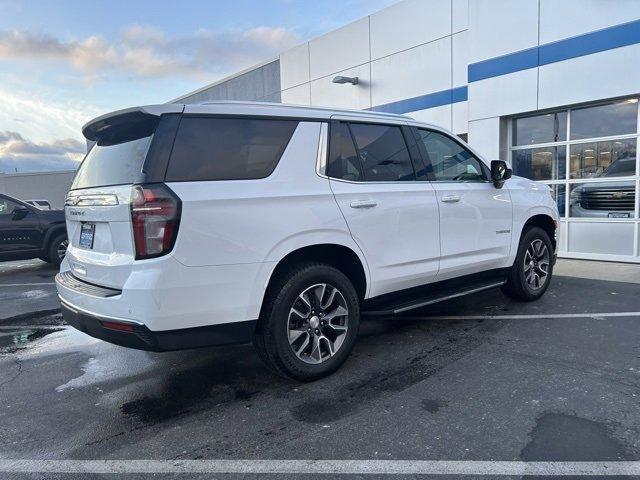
x,y
451,198
363,204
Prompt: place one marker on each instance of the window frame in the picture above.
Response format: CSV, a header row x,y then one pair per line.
x,y
429,166
404,131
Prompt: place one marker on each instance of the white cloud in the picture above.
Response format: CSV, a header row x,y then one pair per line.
x,y
19,154
147,52
140,55
43,120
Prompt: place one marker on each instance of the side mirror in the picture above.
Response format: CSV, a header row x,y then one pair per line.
x,y
20,212
500,172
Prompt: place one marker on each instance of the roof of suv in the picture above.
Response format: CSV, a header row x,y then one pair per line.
x,y
93,127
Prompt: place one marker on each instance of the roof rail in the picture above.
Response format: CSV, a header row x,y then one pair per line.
x,y
304,107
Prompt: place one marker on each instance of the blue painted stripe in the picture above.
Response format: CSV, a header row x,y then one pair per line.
x,y
459,94
494,67
594,42
578,46
430,100
589,43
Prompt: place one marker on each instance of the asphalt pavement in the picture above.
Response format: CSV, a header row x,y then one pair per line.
x,y
483,382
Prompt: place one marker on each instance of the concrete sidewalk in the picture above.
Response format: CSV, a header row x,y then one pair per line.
x,y
612,271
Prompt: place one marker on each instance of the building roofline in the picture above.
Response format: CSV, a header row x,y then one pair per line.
x,y
225,79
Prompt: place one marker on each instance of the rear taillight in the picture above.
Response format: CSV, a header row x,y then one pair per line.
x,y
155,215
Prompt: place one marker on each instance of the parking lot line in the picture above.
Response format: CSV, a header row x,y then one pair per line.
x,y
333,467
524,317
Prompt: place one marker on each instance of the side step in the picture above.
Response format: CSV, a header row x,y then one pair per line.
x,y
399,302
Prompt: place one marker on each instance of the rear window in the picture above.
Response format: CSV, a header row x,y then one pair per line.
x,y
228,148
119,153
118,164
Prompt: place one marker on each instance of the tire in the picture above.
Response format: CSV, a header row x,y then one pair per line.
x,y
535,252
322,345
57,249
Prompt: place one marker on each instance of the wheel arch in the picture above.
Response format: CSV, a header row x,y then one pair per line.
x,y
544,221
338,255
52,233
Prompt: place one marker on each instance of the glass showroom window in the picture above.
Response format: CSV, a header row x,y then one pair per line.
x,y
587,155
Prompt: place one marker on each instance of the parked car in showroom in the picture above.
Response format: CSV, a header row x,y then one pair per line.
x,y
206,224
607,199
29,232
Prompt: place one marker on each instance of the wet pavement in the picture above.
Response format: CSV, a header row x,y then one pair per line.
x,y
501,388
27,288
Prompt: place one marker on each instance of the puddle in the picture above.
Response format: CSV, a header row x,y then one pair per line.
x,y
13,341
102,368
221,379
561,437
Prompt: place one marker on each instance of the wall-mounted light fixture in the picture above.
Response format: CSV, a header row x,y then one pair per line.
x,y
341,79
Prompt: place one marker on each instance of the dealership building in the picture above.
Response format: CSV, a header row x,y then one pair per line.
x,y
551,86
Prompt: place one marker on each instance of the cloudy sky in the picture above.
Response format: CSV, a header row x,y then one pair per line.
x,y
63,62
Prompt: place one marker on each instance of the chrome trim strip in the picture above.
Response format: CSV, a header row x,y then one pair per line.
x,y
91,200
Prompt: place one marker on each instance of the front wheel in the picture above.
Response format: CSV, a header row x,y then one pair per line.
x,y
309,322
531,273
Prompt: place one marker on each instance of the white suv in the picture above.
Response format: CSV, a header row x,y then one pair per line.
x,y
219,223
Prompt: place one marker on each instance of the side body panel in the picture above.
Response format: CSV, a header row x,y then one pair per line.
x,y
253,224
398,234
475,227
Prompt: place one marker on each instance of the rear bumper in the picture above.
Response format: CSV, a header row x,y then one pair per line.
x,y
141,338
164,295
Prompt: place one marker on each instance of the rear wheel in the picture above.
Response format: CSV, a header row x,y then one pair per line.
x,y
57,249
531,273
309,322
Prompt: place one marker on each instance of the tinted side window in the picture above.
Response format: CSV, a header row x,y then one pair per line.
x,y
383,153
7,206
228,148
343,160
450,160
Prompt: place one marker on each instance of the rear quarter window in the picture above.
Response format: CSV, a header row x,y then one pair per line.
x,y
112,164
228,148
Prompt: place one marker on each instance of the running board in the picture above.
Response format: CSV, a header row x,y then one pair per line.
x,y
394,304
